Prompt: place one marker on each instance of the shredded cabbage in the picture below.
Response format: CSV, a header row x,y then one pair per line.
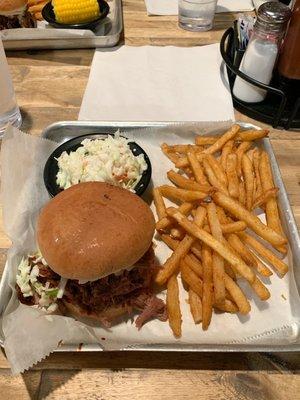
x,y
29,285
109,160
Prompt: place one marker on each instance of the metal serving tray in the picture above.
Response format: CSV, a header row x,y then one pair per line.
x,y
108,35
63,131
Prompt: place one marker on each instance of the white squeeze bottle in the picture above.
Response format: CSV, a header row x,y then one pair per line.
x,y
262,51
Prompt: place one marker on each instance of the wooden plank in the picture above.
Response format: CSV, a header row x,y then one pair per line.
x,y
19,387
167,385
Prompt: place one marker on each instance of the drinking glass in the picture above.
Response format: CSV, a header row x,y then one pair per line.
x,y
9,110
196,15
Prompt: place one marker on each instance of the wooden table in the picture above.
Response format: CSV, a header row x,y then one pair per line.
x,y
49,87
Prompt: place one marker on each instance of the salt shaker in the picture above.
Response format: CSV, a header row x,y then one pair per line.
x,y
262,51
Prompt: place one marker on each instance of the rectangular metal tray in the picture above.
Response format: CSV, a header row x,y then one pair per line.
x,y
109,36
63,131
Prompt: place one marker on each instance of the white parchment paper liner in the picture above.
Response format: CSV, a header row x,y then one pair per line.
x,y
30,335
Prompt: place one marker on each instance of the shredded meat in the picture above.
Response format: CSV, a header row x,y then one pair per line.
x,y
131,289
11,22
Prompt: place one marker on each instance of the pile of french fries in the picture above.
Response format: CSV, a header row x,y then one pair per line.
x,y
219,181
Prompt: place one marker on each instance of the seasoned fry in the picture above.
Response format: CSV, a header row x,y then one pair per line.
x,y
265,253
238,295
213,180
184,148
256,161
247,172
222,250
177,194
233,227
230,134
251,220
228,306
195,306
218,261
252,134
229,270
173,306
242,193
243,147
260,289
197,169
217,168
194,264
183,162
227,149
205,140
159,204
242,250
272,213
166,222
172,263
232,177
191,279
171,156
177,233
207,298
265,197
262,269
185,183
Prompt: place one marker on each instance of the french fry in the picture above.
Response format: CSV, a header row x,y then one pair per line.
x,y
213,180
242,193
172,263
227,149
265,197
184,148
238,295
173,306
232,177
196,249
259,288
256,161
272,213
251,220
233,227
197,169
218,261
261,268
242,250
265,253
166,222
217,168
177,233
222,216
170,242
229,270
194,264
185,183
205,140
230,134
228,306
159,204
207,298
195,306
217,246
171,156
183,195
247,172
191,279
252,134
242,148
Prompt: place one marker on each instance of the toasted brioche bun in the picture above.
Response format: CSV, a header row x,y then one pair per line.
x,y
94,229
111,314
11,7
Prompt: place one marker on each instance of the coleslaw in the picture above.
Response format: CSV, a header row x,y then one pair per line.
x,y
110,160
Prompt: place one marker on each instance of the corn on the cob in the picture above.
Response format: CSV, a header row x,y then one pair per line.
x,y
75,11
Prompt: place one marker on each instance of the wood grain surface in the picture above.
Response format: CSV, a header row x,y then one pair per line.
x,y
49,87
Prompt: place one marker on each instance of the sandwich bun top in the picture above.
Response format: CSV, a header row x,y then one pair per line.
x,y
12,7
94,229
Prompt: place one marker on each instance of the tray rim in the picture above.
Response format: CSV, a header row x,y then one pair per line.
x,y
65,42
228,348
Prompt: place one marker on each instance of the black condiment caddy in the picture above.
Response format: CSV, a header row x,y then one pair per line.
x,y
281,107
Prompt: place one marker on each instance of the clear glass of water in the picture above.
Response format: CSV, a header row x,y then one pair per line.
x,y
196,15
9,110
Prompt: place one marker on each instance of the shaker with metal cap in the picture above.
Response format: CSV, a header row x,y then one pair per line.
x,y
262,51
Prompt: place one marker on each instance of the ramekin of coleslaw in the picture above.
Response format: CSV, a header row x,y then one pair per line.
x,y
113,159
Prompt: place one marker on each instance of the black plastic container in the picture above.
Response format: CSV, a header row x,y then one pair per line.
x,y
281,107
